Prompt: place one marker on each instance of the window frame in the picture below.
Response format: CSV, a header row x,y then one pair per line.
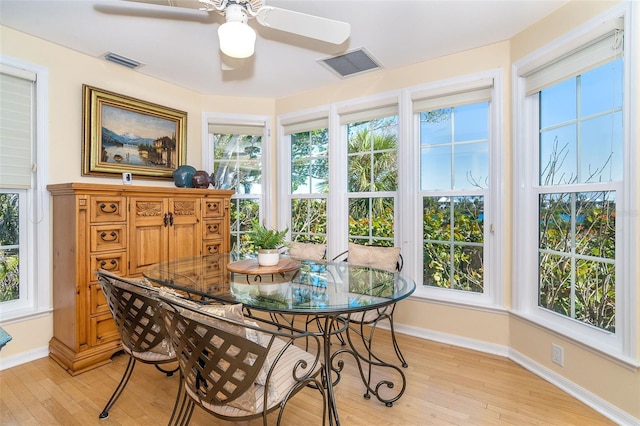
x,y
493,286
284,164
405,198
620,345
38,301
241,120
345,113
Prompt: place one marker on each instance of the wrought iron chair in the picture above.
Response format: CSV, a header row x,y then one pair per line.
x,y
235,369
134,307
387,258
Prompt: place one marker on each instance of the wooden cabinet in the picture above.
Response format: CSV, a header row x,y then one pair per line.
x,y
162,229
123,229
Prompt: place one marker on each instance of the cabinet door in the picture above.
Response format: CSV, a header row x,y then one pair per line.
x,y
185,239
148,235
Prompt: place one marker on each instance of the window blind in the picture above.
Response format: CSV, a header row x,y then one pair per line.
x,y
370,111
17,112
255,129
597,47
463,94
305,123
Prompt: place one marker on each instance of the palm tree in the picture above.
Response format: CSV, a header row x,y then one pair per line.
x,y
372,167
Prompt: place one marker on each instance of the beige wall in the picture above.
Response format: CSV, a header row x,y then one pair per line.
x,y
598,374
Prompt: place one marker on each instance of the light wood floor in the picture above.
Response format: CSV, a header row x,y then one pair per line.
x,y
446,386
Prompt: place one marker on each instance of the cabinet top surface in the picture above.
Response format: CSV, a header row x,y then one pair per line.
x,y
76,187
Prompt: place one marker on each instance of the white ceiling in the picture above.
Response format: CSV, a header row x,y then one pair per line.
x,y
180,45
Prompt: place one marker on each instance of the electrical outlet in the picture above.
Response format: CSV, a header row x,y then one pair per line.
x,y
557,354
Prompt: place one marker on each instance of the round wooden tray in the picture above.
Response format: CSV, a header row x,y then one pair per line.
x,y
251,267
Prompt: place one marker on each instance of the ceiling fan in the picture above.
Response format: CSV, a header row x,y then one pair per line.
x,y
237,38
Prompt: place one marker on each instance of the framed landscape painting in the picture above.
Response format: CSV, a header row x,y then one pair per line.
x,y
122,134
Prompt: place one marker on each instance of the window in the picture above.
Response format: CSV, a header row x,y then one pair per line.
x,y
372,174
308,165
237,150
572,124
580,148
12,218
24,226
457,186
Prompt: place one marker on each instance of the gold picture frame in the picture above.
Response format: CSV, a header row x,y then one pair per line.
x,y
127,135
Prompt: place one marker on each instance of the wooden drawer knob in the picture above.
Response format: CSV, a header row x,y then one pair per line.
x,y
111,208
109,266
113,236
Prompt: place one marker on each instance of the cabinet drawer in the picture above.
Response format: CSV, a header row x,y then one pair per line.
x,y
213,229
114,262
97,300
103,329
212,247
108,237
108,208
214,266
213,207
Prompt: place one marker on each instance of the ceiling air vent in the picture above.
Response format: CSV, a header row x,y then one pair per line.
x,y
351,63
121,60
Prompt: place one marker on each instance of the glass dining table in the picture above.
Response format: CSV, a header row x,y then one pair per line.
x,y
320,295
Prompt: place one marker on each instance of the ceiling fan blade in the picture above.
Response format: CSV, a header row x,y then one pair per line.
x,y
190,4
324,29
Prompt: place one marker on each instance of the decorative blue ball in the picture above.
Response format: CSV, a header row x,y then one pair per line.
x,y
183,176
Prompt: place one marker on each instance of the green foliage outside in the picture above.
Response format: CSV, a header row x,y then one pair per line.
x,y
244,212
237,166
9,236
577,235
577,256
309,175
453,232
309,220
372,166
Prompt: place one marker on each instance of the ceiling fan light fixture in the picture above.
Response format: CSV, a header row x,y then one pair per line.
x,y
237,39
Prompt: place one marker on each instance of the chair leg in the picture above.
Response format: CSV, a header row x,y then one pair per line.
x,y
169,373
118,391
181,404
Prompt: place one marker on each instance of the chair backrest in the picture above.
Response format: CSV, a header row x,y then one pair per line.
x,y
387,258
218,362
134,307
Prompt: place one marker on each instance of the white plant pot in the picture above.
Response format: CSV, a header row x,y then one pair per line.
x,y
268,257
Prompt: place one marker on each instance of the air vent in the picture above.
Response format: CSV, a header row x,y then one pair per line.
x,y
351,63
121,60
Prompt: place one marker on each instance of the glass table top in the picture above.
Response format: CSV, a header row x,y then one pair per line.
x,y
331,287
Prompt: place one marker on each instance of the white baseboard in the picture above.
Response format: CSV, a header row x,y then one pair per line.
x,y
23,357
605,408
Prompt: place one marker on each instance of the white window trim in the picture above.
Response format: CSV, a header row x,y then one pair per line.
x,y
338,231
284,163
38,301
242,120
622,344
492,297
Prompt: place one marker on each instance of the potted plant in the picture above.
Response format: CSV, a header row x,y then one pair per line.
x,y
267,242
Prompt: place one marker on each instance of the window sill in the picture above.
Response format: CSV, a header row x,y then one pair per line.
x,y
25,314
